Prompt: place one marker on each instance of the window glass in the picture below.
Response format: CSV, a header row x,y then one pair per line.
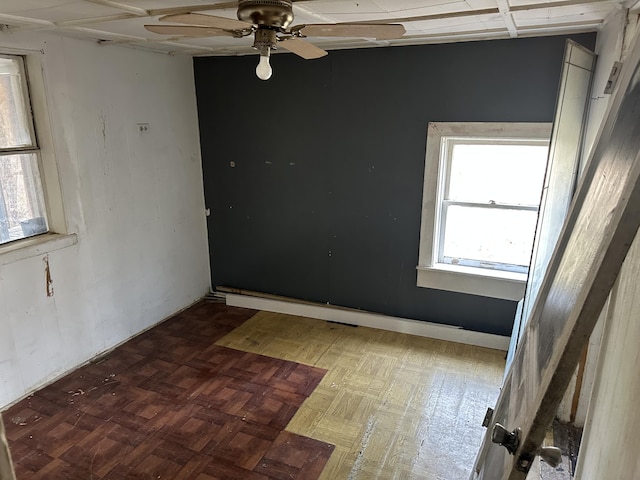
x,y
22,212
15,121
488,237
500,173
507,177
22,208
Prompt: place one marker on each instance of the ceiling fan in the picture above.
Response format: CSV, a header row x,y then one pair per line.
x,y
269,21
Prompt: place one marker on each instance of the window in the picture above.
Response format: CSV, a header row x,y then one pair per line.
x,y
22,208
481,195
32,217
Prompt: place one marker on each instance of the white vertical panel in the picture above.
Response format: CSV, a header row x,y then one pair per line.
x,y
609,446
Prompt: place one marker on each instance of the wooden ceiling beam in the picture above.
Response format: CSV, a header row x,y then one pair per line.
x,y
484,11
15,19
139,12
192,8
578,26
89,21
542,6
99,34
503,7
435,16
129,40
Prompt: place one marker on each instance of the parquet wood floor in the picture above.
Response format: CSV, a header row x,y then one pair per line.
x,y
171,404
208,394
395,406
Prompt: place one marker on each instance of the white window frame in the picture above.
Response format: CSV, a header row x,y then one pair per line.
x,y
431,272
58,236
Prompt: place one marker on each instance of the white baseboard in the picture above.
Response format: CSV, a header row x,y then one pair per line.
x,y
372,320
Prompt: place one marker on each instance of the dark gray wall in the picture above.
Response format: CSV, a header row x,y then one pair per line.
x,y
323,202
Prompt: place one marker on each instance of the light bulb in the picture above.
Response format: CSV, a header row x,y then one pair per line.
x,y
263,70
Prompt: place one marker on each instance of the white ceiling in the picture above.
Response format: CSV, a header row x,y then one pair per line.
x,y
425,21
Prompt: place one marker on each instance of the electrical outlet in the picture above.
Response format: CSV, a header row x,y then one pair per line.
x,y
143,128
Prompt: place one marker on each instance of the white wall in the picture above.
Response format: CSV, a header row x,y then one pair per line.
x,y
135,201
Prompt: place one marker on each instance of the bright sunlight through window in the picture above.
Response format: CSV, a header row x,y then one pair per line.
x,y
22,211
490,202
482,190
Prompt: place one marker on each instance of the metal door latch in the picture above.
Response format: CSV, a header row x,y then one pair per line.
x,y
511,441
551,455
502,436
487,417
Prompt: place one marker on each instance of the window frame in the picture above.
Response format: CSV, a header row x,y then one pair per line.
x,y
32,148
432,272
58,236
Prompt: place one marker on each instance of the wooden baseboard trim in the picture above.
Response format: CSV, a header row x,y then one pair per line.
x,y
372,320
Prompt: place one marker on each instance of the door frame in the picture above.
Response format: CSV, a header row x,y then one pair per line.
x,y
601,225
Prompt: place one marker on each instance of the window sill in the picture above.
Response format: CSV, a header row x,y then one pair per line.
x,y
31,247
475,281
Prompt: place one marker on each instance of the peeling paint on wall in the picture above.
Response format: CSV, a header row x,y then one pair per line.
x,y
103,123
47,276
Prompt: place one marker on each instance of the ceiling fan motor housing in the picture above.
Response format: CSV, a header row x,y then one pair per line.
x,y
263,38
269,13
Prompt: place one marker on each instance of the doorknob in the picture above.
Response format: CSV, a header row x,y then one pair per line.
x,y
511,441
502,436
551,455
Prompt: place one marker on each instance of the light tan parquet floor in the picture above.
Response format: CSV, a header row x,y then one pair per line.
x,y
395,406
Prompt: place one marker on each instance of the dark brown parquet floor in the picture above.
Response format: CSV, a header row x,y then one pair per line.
x,y
170,404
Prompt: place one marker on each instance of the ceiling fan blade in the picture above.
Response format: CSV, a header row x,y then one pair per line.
x,y
203,20
187,31
302,48
367,30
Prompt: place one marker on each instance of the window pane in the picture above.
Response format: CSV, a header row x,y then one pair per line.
x,y
22,212
507,174
15,120
489,235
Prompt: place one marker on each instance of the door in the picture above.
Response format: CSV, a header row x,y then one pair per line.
x,y
561,175
6,469
601,224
